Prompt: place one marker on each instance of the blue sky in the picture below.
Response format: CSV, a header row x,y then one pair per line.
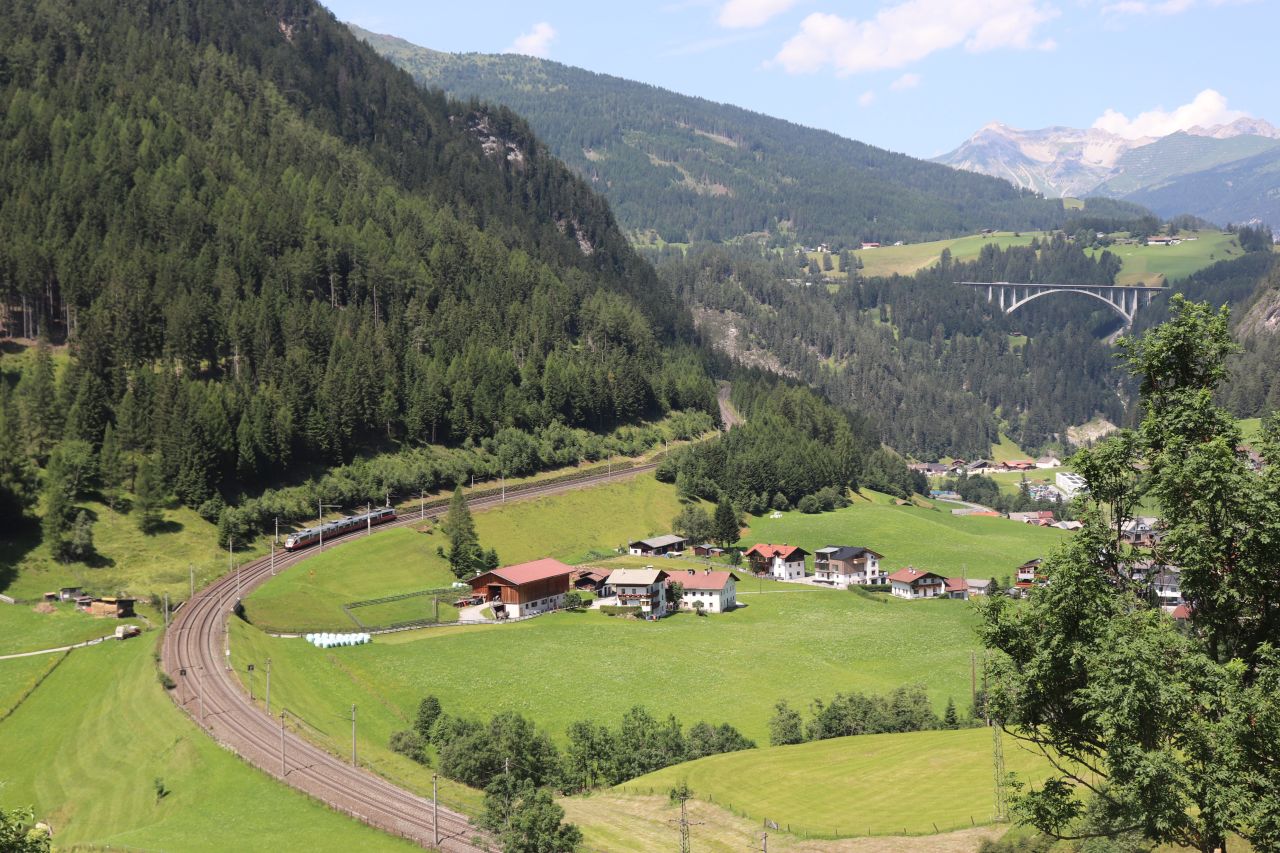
x,y
917,76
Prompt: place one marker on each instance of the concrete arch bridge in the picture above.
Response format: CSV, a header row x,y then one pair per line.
x,y
1125,300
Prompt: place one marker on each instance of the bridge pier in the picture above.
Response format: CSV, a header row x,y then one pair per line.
x,y
1123,299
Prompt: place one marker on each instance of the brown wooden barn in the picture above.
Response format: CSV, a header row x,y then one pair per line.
x,y
525,589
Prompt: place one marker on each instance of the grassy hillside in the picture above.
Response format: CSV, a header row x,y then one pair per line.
x,y
930,539
1178,154
912,257
867,785
569,527
1160,264
24,629
86,748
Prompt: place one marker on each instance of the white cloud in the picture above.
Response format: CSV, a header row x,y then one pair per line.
x,y
906,81
867,98
536,42
751,13
1205,110
1161,7
902,34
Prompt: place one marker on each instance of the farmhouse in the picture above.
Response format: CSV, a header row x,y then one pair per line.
x,y
979,586
1048,462
657,546
1043,517
1142,531
784,562
643,588
717,591
707,550
589,580
914,583
957,588
525,589
1018,465
846,564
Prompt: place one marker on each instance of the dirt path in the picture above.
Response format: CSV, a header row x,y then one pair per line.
x,y
728,414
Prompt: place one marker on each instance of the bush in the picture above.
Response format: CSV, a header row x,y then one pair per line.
x,y
212,509
617,610
165,681
409,743
809,505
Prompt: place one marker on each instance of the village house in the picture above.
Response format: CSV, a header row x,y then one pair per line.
x,y
914,583
845,564
524,589
783,562
1018,465
707,550
1143,531
1069,525
957,588
716,591
1028,575
980,586
930,469
657,546
1048,462
643,588
1164,581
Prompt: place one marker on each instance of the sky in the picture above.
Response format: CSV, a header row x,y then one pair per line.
x,y
916,76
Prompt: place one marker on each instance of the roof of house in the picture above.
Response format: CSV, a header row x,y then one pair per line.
x,y
1181,612
979,583
786,552
1031,564
636,577
1047,459
593,574
911,574
704,580
846,552
661,541
1070,525
523,573
957,585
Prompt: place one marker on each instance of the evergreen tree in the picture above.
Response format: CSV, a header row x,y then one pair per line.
x,y
725,523
465,556
37,396
950,718
785,727
148,497
55,525
79,545
17,475
112,467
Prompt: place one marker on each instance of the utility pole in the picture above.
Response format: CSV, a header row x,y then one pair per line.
x,y
283,771
249,670
435,808
422,504
353,735
277,539
273,559
268,686
997,754
973,678
191,569
368,518
166,609
231,564
684,822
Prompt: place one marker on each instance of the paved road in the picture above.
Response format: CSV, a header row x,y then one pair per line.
x,y
209,691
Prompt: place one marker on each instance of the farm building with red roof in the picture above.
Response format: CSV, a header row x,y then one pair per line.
x,y
524,589
783,562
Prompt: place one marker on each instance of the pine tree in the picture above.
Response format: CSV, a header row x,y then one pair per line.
x,y
465,556
79,545
148,497
950,719
17,475
38,400
725,523
112,467
56,522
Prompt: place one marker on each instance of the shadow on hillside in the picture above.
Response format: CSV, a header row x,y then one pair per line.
x,y
15,544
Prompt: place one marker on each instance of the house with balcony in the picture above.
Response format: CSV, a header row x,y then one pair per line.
x,y
842,565
781,562
643,588
1142,532
1028,575
917,583
716,591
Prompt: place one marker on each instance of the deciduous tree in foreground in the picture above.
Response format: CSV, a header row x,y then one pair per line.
x,y
1153,728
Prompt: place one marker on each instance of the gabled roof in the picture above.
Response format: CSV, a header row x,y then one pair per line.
x,y
911,574
523,573
957,585
661,541
786,552
846,552
704,580
636,577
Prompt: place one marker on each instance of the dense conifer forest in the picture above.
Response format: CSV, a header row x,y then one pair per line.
x,y
689,169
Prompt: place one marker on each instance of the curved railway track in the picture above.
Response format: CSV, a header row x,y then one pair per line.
x,y
209,692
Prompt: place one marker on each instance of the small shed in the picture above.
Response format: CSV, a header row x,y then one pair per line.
x,y
108,607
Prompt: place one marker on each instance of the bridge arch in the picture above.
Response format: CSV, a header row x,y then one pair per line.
x,y
1125,300
1018,303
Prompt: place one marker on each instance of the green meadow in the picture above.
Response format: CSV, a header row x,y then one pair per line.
x,y
1162,264
87,747
573,527
913,257
867,785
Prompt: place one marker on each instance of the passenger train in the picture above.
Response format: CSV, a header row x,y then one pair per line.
x,y
334,529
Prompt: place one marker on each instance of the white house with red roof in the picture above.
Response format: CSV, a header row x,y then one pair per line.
x,y
718,591
915,583
782,562
524,589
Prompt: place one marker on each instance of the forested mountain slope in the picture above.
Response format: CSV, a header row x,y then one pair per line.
x,y
691,169
268,248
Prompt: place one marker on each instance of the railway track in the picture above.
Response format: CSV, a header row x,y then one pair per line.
x,y
195,654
